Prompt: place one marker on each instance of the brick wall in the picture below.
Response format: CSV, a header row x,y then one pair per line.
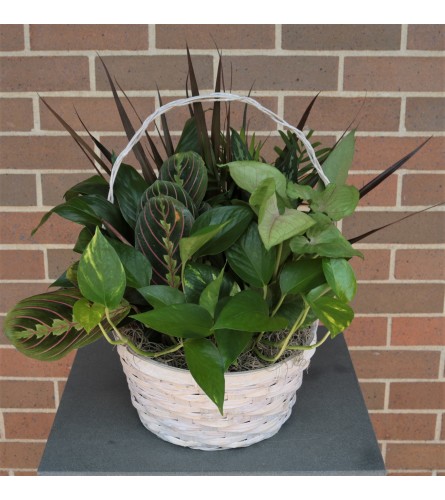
x,y
397,338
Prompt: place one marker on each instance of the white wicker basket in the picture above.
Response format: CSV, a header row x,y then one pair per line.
x,y
171,405
168,400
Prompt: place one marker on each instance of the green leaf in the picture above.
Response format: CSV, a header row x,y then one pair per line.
x,y
162,295
337,165
93,185
178,320
263,192
247,311
83,239
250,260
299,191
233,221
248,175
301,276
324,240
291,309
335,201
341,278
276,227
239,149
210,294
207,368
189,246
101,275
335,314
137,267
197,276
189,140
62,282
231,344
128,189
88,315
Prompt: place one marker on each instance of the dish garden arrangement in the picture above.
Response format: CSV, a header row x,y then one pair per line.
x,y
209,270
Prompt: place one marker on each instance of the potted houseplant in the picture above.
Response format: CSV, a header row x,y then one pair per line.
x,y
210,276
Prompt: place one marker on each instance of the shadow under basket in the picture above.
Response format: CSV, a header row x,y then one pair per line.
x,y
257,402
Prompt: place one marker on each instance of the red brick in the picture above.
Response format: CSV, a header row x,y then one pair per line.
x,y
426,227
12,37
118,142
59,261
336,113
384,195
421,264
396,364
255,119
367,332
16,227
418,331
144,72
25,472
3,339
409,74
43,73
11,293
61,386
378,153
98,114
20,455
423,189
40,152
341,36
373,298
224,36
282,72
21,264
417,395
404,473
415,456
426,37
15,364
16,115
425,114
17,190
89,36
375,265
26,394
54,186
373,394
28,425
404,426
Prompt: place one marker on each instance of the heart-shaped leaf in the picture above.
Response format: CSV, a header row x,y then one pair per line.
x,y
341,278
88,315
337,165
335,201
101,275
161,295
301,276
335,314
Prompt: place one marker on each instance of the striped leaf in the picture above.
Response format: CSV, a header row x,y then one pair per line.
x,y
189,171
160,226
171,189
42,326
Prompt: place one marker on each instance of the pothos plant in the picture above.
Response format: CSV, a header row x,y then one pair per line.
x,y
209,256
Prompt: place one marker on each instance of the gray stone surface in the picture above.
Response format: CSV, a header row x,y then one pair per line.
x,y
97,430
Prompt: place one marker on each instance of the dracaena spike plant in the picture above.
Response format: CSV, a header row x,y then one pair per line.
x,y
209,256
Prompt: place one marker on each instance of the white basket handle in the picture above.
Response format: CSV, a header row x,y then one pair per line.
x,y
215,96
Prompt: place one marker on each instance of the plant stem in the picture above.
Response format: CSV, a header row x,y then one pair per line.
x,y
264,292
308,347
112,342
277,263
279,304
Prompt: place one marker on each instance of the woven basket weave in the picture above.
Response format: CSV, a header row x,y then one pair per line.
x,y
171,405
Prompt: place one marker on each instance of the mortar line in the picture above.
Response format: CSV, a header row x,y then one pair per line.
x,y
438,428
29,410
39,190
278,37
404,39
36,113
399,186
389,331
233,52
45,263
392,264
2,426
56,394
404,411
27,38
151,28
341,72
92,72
